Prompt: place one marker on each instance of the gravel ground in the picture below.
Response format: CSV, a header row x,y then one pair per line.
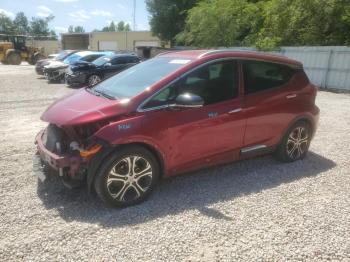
x,y
255,210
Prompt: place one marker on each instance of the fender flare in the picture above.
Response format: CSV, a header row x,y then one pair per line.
x,y
95,163
305,118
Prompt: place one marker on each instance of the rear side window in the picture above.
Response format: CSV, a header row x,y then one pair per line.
x,y
119,61
91,58
260,76
132,59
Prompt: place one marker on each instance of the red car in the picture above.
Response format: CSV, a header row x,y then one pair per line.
x,y
175,113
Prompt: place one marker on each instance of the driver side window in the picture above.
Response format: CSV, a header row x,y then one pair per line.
x,y
216,82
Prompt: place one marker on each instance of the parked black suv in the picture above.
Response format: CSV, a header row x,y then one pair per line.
x,y
91,73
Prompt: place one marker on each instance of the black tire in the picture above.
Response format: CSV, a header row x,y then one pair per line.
x,y
14,58
94,79
295,143
35,58
124,188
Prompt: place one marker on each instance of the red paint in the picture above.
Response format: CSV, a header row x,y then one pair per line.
x,y
189,139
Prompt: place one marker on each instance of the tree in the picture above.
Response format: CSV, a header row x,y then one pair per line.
x,y
53,35
105,29
70,29
168,17
76,29
21,24
267,24
6,24
221,23
121,26
112,27
298,22
40,26
127,27
79,29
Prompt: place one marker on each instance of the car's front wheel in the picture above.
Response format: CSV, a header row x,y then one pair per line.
x,y
295,144
127,177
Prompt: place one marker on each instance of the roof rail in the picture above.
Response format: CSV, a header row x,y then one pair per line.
x,y
167,52
223,51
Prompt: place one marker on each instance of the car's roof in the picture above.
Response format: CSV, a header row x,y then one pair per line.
x,y
200,54
85,53
120,55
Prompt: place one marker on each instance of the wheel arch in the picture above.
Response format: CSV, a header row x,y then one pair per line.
x,y
108,150
304,118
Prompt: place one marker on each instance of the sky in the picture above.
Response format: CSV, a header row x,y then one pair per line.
x,y
91,14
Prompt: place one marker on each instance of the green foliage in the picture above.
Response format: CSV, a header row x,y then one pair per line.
x,y
121,26
53,35
40,26
267,24
312,22
221,23
127,27
6,24
168,17
76,29
21,24
112,27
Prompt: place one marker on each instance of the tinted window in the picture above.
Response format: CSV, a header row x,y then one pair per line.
x,y
215,83
132,59
259,76
62,55
102,60
72,58
91,58
119,61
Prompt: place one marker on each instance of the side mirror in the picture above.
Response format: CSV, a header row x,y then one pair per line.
x,y
187,100
107,64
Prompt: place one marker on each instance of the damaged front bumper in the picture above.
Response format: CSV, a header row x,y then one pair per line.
x,y
65,164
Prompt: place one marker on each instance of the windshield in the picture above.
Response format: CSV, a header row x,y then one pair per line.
x,y
61,55
101,61
136,79
72,58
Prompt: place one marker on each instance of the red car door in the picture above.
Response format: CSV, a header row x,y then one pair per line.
x,y
208,135
269,103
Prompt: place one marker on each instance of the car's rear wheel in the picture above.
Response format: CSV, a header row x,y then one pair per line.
x,y
127,177
93,80
295,144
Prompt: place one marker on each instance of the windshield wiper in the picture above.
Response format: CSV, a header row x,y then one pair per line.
x,y
99,93
104,94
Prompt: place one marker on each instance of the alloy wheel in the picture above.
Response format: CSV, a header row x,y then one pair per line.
x,y
129,179
297,143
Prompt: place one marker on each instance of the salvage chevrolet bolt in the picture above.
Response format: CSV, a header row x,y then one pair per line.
x,y
175,113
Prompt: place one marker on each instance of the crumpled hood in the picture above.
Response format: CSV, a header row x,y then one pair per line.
x,y
56,64
81,107
43,62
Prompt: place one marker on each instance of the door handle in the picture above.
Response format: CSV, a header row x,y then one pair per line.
x,y
235,111
291,96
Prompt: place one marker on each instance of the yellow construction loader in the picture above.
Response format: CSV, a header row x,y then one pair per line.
x,y
13,50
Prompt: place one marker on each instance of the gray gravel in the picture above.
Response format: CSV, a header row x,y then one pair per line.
x,y
256,210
